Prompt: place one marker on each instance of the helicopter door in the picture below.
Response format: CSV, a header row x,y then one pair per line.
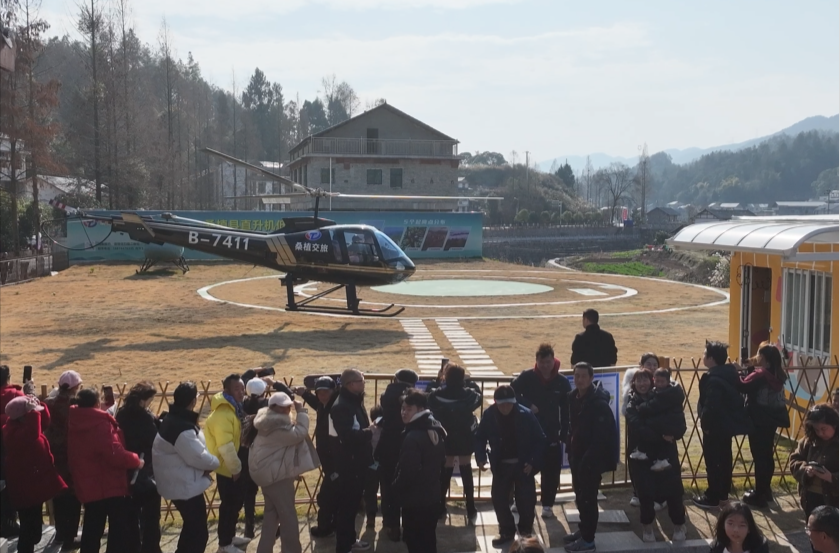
x,y
362,249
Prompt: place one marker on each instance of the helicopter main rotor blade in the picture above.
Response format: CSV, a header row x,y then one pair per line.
x,y
389,197
265,172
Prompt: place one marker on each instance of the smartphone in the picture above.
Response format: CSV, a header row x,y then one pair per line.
x,y
745,355
27,373
444,362
377,421
816,465
108,395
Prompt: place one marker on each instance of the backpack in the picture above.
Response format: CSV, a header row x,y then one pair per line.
x,y
772,405
249,431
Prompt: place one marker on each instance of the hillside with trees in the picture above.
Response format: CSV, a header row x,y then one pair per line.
x,y
781,168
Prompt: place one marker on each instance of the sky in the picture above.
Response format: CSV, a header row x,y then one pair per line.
x,y
550,77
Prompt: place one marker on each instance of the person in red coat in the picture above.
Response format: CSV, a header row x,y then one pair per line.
x,y
8,520
31,477
100,465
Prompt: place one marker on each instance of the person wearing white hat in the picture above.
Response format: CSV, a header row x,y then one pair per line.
x,y
66,506
254,400
280,453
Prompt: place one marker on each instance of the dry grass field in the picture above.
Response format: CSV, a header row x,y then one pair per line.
x,y
114,326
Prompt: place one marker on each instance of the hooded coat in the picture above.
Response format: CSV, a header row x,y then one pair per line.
x,y
530,439
827,454
56,433
392,426
417,480
550,396
592,434
455,409
663,411
181,456
140,427
223,432
275,454
720,407
97,455
31,478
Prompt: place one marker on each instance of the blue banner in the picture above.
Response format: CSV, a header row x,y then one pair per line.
x,y
421,235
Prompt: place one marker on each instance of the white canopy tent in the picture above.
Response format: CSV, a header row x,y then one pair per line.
x,y
765,235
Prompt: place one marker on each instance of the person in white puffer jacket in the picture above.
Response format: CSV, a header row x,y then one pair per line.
x,y
183,466
278,456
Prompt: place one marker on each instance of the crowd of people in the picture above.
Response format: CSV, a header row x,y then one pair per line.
x,y
119,463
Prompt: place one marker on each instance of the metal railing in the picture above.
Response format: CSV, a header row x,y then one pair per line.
x,y
808,385
382,147
23,269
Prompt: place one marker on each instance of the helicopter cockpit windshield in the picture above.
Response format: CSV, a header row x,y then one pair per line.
x,y
361,249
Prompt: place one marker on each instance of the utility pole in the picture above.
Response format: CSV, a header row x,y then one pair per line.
x,y
643,155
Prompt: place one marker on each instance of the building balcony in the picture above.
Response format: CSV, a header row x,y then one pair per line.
x,y
367,147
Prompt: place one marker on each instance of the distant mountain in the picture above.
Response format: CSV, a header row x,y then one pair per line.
x,y
679,157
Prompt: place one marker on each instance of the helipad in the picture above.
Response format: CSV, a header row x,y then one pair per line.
x,y
463,288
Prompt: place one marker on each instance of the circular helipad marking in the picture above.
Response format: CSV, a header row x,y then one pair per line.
x,y
463,287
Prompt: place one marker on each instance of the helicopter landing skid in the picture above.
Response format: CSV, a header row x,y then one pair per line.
x,y
181,263
352,302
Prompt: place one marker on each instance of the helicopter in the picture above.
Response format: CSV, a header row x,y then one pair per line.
x,y
304,248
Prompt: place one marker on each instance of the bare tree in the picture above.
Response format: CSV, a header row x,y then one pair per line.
x,y
90,26
616,180
169,69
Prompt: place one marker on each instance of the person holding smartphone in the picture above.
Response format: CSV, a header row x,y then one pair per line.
x,y
814,463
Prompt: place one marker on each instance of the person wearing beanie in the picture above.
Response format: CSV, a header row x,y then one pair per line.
x,y
254,401
31,477
545,392
321,400
387,452
66,506
351,434
517,445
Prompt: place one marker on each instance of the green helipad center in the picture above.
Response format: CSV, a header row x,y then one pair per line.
x,y
459,287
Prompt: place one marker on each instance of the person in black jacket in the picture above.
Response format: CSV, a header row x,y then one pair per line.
x,y
592,450
720,409
454,406
656,428
593,345
321,400
387,452
546,393
140,427
764,385
517,443
350,435
415,486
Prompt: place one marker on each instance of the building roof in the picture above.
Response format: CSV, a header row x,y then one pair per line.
x,y
726,214
730,205
667,210
800,204
768,235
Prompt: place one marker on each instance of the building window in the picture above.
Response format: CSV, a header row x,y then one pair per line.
x,y
374,176
261,187
325,176
396,178
806,322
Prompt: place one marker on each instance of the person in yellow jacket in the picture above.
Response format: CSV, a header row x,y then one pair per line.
x,y
222,432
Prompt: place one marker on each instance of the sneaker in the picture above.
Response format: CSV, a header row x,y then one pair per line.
x,y
634,501
647,534
581,545
660,465
679,533
228,549
237,540
704,502
360,546
574,536
547,512
501,540
318,532
659,506
638,455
